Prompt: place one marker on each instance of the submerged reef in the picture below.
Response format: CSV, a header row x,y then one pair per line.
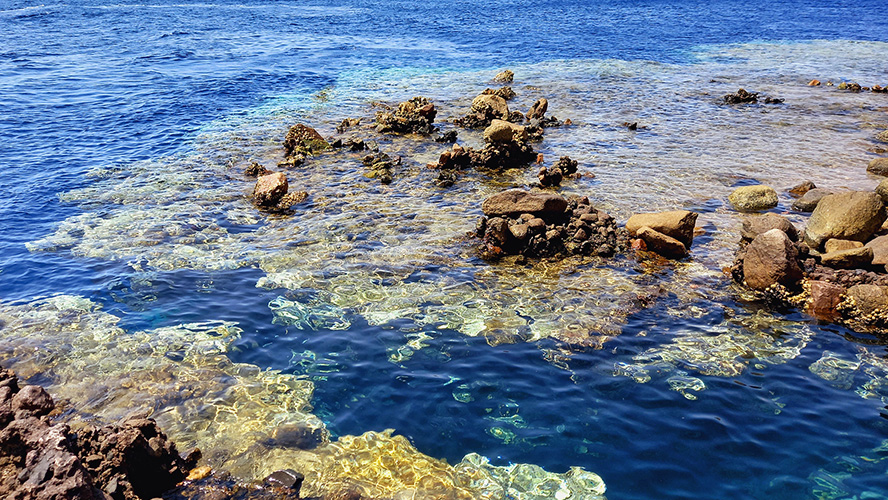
x,y
246,421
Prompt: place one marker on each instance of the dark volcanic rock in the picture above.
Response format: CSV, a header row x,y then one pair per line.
x,y
415,116
741,97
380,166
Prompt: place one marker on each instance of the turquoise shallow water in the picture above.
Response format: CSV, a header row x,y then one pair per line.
x,y
126,127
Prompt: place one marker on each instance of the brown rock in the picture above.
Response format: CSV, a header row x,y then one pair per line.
x,y
848,259
825,298
678,224
270,189
538,110
33,399
505,76
519,231
801,189
757,224
808,202
517,201
868,298
770,259
879,246
302,139
664,245
882,190
836,245
878,166
753,198
853,215
503,131
496,103
814,83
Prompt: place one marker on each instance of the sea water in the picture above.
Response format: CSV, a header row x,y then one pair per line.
x,y
135,273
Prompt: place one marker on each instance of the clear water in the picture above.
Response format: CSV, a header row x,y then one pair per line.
x,y
125,131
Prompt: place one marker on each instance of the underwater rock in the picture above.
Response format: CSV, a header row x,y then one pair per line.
x,y
505,76
270,189
853,215
867,299
256,170
379,166
303,140
800,189
758,224
878,166
505,92
346,124
552,176
449,136
825,299
851,87
678,224
415,116
808,202
753,198
882,136
741,97
538,110
771,259
504,148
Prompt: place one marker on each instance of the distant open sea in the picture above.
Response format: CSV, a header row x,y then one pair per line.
x,y
135,272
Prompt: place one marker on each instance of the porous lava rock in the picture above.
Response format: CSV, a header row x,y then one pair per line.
x,y
42,460
541,225
505,147
741,97
415,116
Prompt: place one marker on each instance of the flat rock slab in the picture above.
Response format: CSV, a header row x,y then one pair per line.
x,y
848,259
836,245
664,245
678,224
518,201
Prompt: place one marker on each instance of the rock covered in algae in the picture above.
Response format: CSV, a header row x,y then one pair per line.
x,y
753,198
304,140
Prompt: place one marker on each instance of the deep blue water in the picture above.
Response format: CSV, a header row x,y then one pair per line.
x,y
86,84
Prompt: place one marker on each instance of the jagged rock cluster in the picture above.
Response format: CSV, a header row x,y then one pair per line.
x,y
40,459
506,145
415,116
744,97
835,268
552,176
518,222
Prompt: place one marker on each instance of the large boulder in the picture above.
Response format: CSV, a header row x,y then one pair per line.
x,y
882,190
504,132
518,201
494,102
808,202
853,215
868,298
678,224
878,166
758,224
753,198
270,189
771,259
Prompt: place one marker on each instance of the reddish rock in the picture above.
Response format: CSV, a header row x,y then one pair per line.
x,y
825,298
757,224
302,139
801,189
538,110
879,246
771,259
270,189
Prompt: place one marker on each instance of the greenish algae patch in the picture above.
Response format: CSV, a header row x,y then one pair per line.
x,y
247,421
